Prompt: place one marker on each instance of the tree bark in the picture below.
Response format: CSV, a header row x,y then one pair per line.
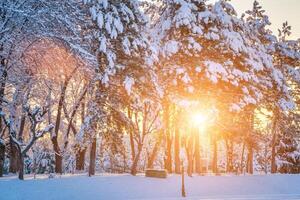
x,y
154,152
13,159
197,151
22,126
21,166
80,155
215,156
250,160
242,157
190,156
131,137
2,86
274,138
136,160
2,90
80,158
58,156
273,156
54,139
177,149
250,145
229,151
2,158
168,153
168,164
93,158
183,194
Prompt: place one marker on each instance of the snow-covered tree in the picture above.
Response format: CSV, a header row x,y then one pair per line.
x,y
193,35
209,53
287,149
120,80
286,60
122,46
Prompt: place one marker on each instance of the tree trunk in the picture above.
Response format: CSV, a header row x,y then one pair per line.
x,y
22,126
13,159
274,138
2,158
190,165
197,150
154,152
250,159
136,160
250,142
21,166
266,159
168,164
2,90
177,149
229,160
183,194
58,156
80,155
190,156
273,156
2,86
242,158
168,153
80,158
93,158
131,138
215,156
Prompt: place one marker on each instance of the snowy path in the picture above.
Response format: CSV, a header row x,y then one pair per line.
x,y
109,187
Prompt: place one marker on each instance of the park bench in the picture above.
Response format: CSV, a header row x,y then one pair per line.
x,y
156,173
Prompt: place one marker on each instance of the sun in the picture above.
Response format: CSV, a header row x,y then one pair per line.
x,y
199,119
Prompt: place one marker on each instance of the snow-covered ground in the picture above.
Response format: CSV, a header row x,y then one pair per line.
x,y
108,187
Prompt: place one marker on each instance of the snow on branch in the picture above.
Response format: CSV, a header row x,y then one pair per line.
x,y
35,117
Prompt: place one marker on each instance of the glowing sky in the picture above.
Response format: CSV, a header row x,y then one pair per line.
x,y
278,11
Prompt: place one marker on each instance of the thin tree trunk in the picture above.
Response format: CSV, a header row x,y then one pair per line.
x,y
2,90
197,150
93,158
183,194
273,156
168,164
72,116
250,145
266,160
274,138
80,155
22,126
154,152
21,166
229,151
190,156
177,149
242,158
215,156
168,159
250,160
2,158
58,156
2,86
136,160
131,138
132,145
